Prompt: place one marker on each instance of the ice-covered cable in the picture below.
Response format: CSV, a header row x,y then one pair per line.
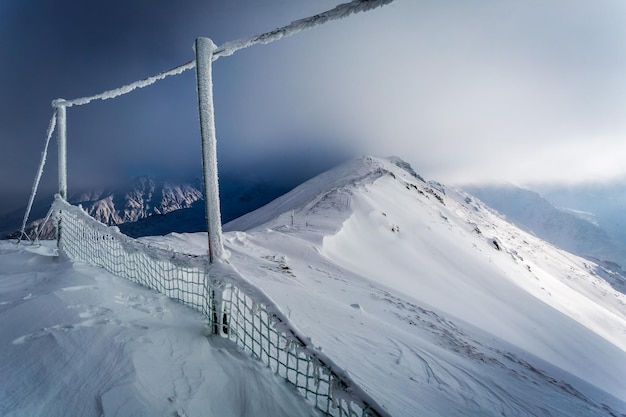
x,y
126,88
229,48
42,163
339,12
43,223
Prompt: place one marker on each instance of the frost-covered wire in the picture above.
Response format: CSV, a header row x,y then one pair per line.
x,y
339,12
42,163
43,223
229,48
124,89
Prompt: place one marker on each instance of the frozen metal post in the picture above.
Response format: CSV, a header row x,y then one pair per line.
x,y
204,56
62,143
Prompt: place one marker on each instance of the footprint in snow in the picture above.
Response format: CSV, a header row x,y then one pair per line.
x,y
57,328
140,303
357,307
31,336
91,311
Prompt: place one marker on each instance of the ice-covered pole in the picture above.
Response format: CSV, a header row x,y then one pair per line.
x,y
204,56
62,147
42,163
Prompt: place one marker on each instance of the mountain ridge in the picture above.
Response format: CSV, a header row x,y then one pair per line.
x,y
433,301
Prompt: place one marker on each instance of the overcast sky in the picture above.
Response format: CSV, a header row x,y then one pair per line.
x,y
466,91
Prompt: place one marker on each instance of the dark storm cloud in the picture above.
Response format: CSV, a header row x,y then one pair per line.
x,y
465,91
73,48
69,49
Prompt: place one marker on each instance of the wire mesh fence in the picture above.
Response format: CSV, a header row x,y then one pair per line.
x,y
234,310
180,277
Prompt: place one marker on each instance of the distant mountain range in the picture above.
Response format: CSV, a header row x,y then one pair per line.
x,y
141,198
153,206
574,231
607,202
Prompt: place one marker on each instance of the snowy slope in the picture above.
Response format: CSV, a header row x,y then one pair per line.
x,y
433,302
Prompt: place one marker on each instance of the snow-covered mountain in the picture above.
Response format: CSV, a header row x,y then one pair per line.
x,y
430,300
606,201
154,206
237,197
142,197
576,232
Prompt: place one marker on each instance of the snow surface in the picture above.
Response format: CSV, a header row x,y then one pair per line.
x,y
425,312
433,303
79,341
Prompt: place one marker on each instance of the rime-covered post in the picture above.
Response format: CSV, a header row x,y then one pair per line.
x,y
204,56
62,143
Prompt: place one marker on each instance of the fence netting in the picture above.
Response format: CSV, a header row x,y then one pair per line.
x,y
233,307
